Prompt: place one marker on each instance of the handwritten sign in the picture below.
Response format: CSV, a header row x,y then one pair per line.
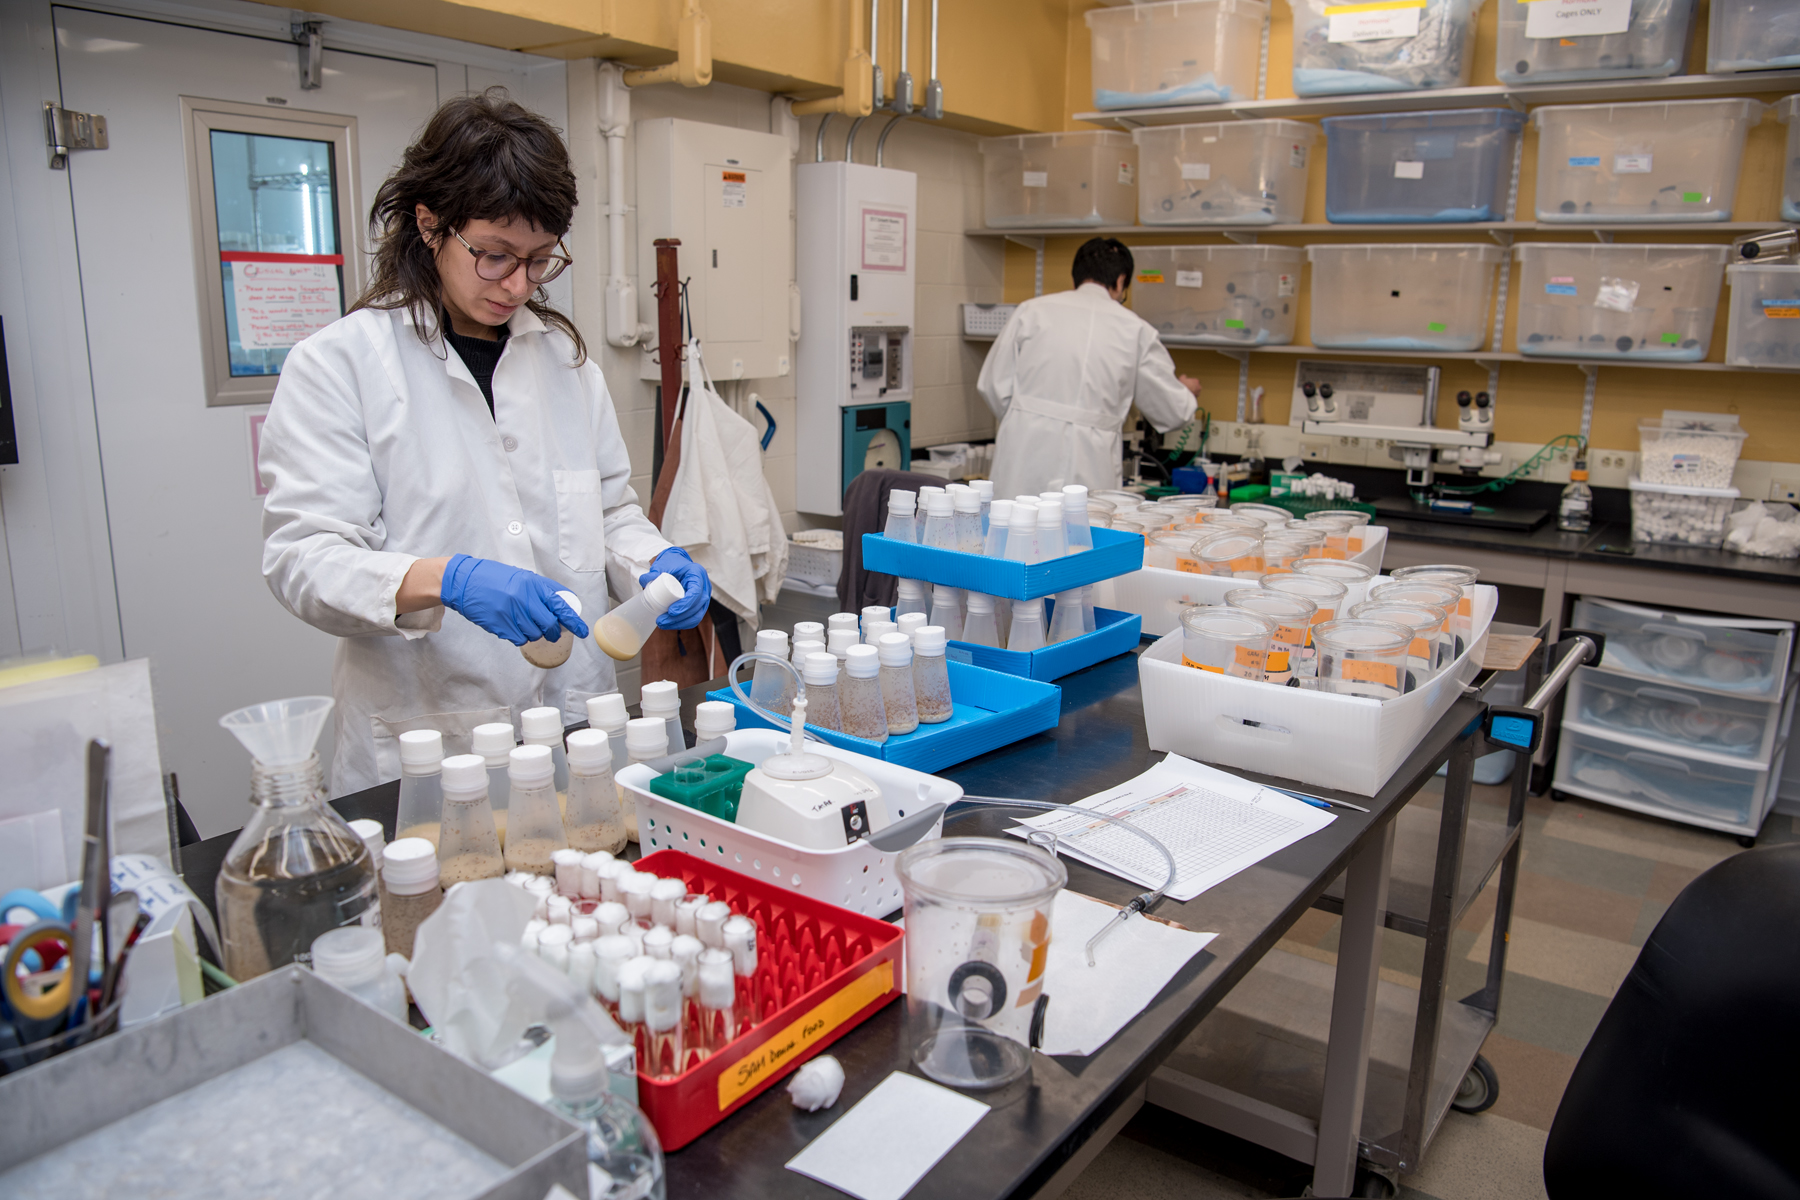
x,y
279,303
775,1053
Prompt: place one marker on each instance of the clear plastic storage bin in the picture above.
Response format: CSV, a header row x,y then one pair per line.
x,y
1673,160
1679,516
1401,297
1344,48
1684,718
1176,52
1229,173
1753,35
1429,166
1533,49
1789,112
1689,452
1059,179
1219,295
1745,656
1664,784
1651,303
1764,329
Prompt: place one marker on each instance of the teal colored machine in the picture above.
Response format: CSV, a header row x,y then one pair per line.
x,y
876,436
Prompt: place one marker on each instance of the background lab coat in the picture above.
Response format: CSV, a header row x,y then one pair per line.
x,y
1061,377
379,450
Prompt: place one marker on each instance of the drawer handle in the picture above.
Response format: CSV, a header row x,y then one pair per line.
x,y
1657,760
1650,693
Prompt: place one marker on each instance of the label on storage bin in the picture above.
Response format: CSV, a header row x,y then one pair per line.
x,y
1576,18
1372,22
1583,160
1127,174
1150,277
1359,670
1189,279
1202,171
1297,156
1633,164
1234,323
1562,285
1037,179
825,1018
1284,285
1781,310
1693,197
1683,464
1436,326
958,654
1409,170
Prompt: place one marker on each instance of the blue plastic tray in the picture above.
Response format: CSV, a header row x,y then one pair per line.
x,y
1114,553
1115,633
991,710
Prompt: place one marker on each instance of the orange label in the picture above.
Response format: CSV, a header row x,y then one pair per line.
x,y
1356,543
1420,648
1256,660
1324,615
1465,607
734,176
774,1053
1292,635
1249,562
1358,670
1277,662
1190,565
1332,552
1188,662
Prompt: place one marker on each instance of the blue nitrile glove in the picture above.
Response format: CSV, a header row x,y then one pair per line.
x,y
686,612
520,606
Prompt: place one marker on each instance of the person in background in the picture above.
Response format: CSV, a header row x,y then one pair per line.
x,y
449,445
1066,370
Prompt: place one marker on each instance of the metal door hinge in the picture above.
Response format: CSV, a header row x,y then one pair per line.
x,y
310,37
65,131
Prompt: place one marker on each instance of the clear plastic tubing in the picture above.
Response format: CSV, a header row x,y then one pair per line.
x,y
594,819
544,727
421,784
863,713
841,642
940,522
968,522
1065,620
931,675
770,686
997,518
623,631
1022,532
898,699
662,699
822,707
947,610
469,847
1078,534
1027,633
912,598
900,524
980,628
535,821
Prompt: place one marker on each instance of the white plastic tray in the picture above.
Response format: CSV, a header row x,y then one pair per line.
x,y
857,877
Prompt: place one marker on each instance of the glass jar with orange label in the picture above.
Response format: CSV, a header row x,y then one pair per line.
x,y
1293,619
1268,514
1281,552
1354,576
1234,553
1310,536
1357,521
1430,626
1430,595
1327,594
1362,658
1162,549
1337,531
1226,641
1449,575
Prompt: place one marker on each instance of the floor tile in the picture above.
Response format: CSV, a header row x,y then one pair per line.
x,y
1548,1015
1648,916
1130,1170
1557,955
1577,906
1645,837
1628,874
1483,1157
1312,928
1668,879
1532,1079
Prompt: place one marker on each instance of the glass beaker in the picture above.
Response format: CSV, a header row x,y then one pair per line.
x,y
1462,622
1236,554
1226,641
1430,595
1362,658
1354,576
1293,619
977,942
1430,626
1337,531
1357,521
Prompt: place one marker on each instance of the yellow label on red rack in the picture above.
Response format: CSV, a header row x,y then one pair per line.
x,y
774,1053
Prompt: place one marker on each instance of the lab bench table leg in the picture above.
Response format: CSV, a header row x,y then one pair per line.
x,y
1352,1015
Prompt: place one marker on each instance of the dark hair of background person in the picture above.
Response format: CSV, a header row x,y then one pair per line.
x,y
1102,261
480,158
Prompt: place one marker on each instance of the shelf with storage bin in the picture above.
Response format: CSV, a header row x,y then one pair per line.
x,y
1483,357
1447,228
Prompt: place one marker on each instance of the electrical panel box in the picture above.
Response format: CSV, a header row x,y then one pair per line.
x,y
856,264
727,194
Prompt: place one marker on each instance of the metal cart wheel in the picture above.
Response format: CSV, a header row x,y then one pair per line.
x,y
1747,840
1373,1185
1558,796
1479,1088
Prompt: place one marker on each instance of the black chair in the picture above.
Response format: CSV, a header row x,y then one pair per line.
x,y
1669,1097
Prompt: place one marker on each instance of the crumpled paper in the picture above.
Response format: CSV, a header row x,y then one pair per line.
x,y
457,979
1764,530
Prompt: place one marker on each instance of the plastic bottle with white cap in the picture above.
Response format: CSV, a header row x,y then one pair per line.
x,y
813,631
553,652
1051,542
623,631
820,673
664,1057
770,686
535,820
872,612
646,739
409,868
802,648
353,958
470,846
968,521
874,631
843,620
1078,534
374,839
1065,618
840,641
911,596
494,741
593,819
940,521
859,695
1022,531
421,785
1027,633
607,714
898,699
544,727
663,699
566,864
947,610
911,623
984,488
981,628
713,719
900,524
998,517
931,677
717,993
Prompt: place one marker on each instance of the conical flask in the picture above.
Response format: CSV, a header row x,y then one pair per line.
x,y
297,869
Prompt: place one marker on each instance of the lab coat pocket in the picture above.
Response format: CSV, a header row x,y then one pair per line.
x,y
580,520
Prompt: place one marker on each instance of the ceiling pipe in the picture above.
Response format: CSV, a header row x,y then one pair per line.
x,y
934,89
903,89
693,66
622,325
858,76
877,80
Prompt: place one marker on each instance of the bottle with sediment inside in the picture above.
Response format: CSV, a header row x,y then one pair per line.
x,y
421,787
410,872
594,819
822,705
470,846
535,822
770,686
898,699
931,676
495,742
900,525
859,695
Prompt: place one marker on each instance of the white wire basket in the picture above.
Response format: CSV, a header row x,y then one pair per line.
x,y
814,564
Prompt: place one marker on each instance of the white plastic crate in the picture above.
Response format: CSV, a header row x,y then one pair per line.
x,y
1743,656
1681,516
814,564
1219,295
1228,173
1617,301
1764,326
1663,784
1319,738
986,320
1535,44
1085,178
1176,52
857,877
1344,48
1666,160
1752,35
1454,165
1395,296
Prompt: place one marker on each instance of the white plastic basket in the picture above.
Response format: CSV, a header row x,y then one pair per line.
x,y
814,564
857,877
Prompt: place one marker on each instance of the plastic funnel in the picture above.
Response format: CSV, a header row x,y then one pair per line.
x,y
280,733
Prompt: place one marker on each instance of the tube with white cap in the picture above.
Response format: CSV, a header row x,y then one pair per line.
x,y
709,924
717,994
611,953
611,916
663,1057
770,686
553,946
623,631
594,819
421,784
634,891
685,910
566,864
821,699
740,940
684,951
544,727
665,894
931,676
984,488
1077,532
590,873
631,999
663,699
494,741
535,820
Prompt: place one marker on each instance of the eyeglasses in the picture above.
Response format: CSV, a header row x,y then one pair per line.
x,y
494,265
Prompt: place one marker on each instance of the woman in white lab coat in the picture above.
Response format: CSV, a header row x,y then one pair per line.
x,y
1065,371
448,444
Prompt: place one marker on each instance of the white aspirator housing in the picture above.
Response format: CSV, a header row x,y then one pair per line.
x,y
809,800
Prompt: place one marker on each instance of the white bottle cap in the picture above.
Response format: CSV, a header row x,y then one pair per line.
x,y
910,623
533,927
611,952
585,929
896,650
559,909
807,646
466,773
985,489
930,490
901,501
556,934
663,591
874,612
863,662
980,602
841,621
494,741
540,886
714,718
954,488
820,670
421,748
1024,516
647,736
968,501
631,988
663,895
372,837
940,505
662,997
657,940
662,697
928,640
1028,610
771,641
541,724
740,939
607,713
409,866
568,871
612,916
709,923
530,764
1000,513
808,630
717,981
912,588
349,955
1049,514
590,874
841,641
874,631
589,750
684,951
1024,499
1075,497
1051,497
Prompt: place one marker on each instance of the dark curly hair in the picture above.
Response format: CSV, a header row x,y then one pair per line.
x,y
480,158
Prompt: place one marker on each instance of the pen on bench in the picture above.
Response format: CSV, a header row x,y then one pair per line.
x,y
1318,803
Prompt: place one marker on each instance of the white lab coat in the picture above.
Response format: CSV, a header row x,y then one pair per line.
x,y
378,451
1061,377
720,508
